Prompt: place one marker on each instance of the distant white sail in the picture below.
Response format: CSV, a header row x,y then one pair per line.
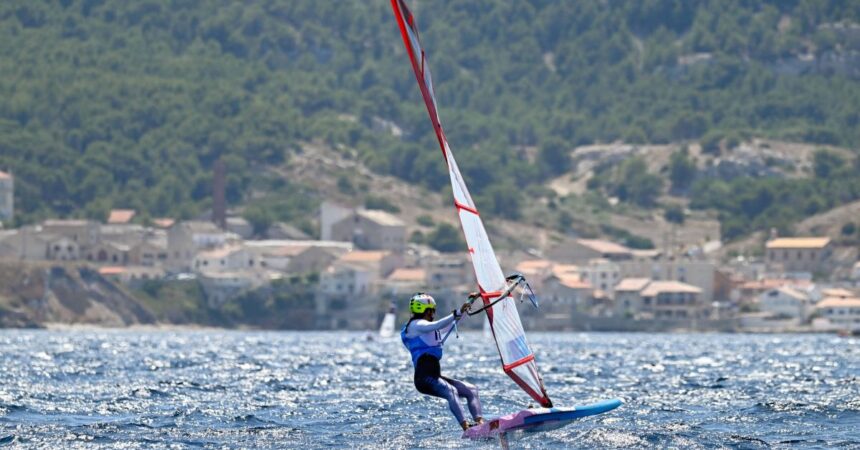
x,y
386,330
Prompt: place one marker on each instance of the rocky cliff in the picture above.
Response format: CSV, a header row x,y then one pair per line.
x,y
34,294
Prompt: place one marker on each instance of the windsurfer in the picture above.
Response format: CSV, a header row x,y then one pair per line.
x,y
423,337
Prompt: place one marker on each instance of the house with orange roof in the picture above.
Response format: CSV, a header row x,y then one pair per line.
x,y
163,222
628,298
534,269
560,296
131,274
121,216
799,254
696,272
672,300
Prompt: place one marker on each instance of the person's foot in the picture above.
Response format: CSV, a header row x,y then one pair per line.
x,y
479,421
465,425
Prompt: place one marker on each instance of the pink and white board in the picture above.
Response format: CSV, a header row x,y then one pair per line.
x,y
538,419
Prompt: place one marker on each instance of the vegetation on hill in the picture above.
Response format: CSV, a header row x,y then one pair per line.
x,y
106,103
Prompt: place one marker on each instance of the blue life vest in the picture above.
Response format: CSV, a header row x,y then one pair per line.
x,y
418,346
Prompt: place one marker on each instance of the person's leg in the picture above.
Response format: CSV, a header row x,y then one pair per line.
x,y
470,392
440,388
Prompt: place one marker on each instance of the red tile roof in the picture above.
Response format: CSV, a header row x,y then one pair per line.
x,y
121,215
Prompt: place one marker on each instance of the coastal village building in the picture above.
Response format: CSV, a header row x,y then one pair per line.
x,y
221,286
229,258
628,298
581,250
297,256
331,213
695,272
447,271
840,313
83,232
240,226
185,239
151,252
380,262
63,248
404,282
672,300
786,303
371,230
7,197
285,231
601,273
801,254
107,252
131,274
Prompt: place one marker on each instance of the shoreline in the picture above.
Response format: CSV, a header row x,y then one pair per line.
x,y
163,327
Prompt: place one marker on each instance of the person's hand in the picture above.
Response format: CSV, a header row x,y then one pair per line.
x,y
465,308
474,296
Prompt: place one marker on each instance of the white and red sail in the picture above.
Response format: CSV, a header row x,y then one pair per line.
x,y
517,358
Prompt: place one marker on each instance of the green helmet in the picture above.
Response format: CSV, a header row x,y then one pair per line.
x,y
421,302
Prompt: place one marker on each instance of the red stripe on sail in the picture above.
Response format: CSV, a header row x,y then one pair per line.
x,y
539,397
466,208
518,363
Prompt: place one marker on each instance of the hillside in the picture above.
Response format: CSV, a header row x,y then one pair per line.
x,y
107,104
35,294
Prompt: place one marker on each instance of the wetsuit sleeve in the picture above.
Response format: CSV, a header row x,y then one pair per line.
x,y
420,327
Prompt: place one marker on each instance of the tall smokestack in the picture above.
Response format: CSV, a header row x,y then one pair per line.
x,y
219,204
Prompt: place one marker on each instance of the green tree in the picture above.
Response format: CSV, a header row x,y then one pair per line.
x,y
634,184
682,170
826,163
674,214
446,238
554,157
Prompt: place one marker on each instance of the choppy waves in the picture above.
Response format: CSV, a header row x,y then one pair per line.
x,y
210,389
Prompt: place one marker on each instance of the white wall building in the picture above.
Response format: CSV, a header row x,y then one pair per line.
x,y
186,239
601,273
229,258
786,303
840,313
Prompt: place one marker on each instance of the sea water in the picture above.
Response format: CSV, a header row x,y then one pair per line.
x,y
229,389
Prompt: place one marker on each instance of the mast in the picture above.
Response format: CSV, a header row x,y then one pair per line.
x,y
518,361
